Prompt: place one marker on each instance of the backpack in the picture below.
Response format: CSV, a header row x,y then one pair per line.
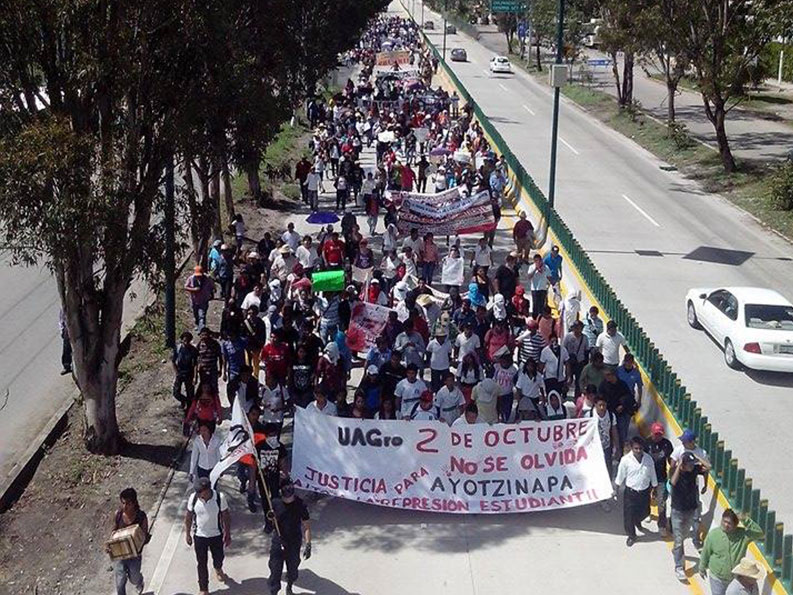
x,y
191,504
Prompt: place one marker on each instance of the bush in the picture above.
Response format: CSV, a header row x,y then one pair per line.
x,y
678,132
782,186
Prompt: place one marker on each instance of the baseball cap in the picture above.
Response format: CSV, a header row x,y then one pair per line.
x,y
202,483
657,429
687,436
372,370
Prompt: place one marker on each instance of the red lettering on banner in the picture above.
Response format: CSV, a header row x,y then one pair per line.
x,y
491,438
494,464
430,434
464,439
460,465
407,482
507,433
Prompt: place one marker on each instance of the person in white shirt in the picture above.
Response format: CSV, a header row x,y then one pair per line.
x,y
483,255
307,255
424,409
530,388
253,298
208,523
408,390
469,418
636,473
312,184
291,237
466,342
609,343
414,242
449,400
439,351
271,396
409,260
539,279
555,363
206,450
320,404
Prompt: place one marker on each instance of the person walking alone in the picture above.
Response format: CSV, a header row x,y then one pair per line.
x,y
294,529
636,473
207,524
128,514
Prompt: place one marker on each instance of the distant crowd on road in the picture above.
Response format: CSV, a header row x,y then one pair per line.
x,y
501,345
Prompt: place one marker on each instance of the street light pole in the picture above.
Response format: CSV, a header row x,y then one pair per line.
x,y
445,9
422,14
556,91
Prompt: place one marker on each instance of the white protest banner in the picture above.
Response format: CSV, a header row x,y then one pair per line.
x,y
367,322
452,271
360,275
430,466
445,213
392,57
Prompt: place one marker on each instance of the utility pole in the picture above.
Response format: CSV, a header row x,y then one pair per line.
x,y
422,14
445,10
170,256
556,91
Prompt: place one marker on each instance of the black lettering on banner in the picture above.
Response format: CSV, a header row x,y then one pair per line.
x,y
373,437
431,434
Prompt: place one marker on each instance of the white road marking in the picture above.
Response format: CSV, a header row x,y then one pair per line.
x,y
528,109
568,145
641,210
486,72
503,87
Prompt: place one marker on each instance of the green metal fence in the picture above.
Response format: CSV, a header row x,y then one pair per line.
x,y
731,479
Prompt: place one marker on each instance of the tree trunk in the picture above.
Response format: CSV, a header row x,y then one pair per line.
x,y
217,224
101,432
615,70
627,80
539,61
227,193
671,89
192,207
727,160
254,182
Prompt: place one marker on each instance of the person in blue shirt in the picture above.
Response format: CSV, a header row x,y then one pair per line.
x,y
629,374
553,260
233,351
378,354
215,257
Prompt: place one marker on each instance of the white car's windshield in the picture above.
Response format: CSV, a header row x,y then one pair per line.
x,y
763,316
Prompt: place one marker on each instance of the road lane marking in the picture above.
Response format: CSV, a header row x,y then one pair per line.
x,y
641,210
486,72
568,145
503,87
528,109
164,563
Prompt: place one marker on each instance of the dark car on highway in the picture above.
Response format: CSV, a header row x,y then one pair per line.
x,y
429,25
451,29
459,55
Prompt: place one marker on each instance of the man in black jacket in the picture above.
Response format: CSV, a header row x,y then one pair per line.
x,y
292,518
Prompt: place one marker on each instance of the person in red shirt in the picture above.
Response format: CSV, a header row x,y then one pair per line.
x,y
276,357
523,234
333,251
408,177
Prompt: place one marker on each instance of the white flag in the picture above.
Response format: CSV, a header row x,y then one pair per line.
x,y
238,442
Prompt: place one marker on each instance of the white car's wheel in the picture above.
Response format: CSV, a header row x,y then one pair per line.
x,y
729,355
691,315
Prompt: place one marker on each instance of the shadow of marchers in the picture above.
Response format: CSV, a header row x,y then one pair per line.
x,y
389,530
160,454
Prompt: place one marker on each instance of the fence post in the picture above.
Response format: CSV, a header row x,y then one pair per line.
x,y
787,561
779,530
733,477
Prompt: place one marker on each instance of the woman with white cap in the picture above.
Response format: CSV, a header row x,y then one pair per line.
x,y
330,372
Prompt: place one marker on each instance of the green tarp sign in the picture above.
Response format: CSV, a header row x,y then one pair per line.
x,y
327,281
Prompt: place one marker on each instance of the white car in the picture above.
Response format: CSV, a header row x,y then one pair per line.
x,y
754,326
500,64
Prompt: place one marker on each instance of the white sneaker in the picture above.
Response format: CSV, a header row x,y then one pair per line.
x,y
681,575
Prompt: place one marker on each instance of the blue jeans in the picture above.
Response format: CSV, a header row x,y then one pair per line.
x,y
428,271
127,570
505,406
623,424
681,528
200,316
717,586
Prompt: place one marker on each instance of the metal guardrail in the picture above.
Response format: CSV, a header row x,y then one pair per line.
x,y
730,479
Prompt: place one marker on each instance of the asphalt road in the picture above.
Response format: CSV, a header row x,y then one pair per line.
x,y
752,134
618,201
31,388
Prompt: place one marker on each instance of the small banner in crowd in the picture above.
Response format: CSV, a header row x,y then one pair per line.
x,y
452,271
394,57
327,281
444,213
360,275
367,322
471,469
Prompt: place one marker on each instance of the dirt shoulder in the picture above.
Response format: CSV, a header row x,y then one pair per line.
x,y
52,539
